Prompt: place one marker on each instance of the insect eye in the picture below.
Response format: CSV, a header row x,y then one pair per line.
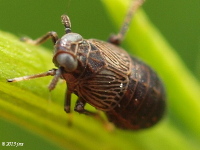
x,y
67,61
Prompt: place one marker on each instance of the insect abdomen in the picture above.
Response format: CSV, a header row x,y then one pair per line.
x,y
126,89
143,103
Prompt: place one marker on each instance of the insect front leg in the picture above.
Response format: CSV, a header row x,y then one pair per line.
x,y
52,72
67,102
50,35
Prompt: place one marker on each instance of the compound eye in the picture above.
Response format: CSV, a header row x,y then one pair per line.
x,y
67,61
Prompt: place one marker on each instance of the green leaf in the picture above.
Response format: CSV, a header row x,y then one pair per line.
x,y
30,105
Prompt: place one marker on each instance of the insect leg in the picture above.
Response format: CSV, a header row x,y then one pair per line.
x,y
54,81
80,108
50,35
117,39
48,73
67,102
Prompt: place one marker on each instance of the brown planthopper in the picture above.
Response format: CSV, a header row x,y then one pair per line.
x,y
105,76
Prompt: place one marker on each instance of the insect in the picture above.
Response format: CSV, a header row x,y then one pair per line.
x,y
105,76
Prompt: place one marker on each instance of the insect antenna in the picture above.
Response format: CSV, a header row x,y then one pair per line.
x,y
66,22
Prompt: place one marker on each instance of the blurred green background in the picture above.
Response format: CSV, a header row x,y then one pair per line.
x,y
178,21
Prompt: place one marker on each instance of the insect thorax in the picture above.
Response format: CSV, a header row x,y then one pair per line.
x,y
102,76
